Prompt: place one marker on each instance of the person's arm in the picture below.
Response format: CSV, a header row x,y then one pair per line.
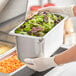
x,y
66,57
42,64
3,4
74,10
67,10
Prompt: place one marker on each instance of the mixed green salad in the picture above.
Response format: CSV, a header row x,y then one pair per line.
x,y
39,24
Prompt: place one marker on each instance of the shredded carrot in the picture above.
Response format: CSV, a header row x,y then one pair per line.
x,y
10,65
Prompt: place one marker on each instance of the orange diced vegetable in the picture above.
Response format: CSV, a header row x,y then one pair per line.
x,y
10,65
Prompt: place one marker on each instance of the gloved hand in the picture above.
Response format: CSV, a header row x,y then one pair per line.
x,y
40,64
68,10
2,4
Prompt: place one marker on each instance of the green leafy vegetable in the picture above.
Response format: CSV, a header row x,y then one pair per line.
x,y
39,24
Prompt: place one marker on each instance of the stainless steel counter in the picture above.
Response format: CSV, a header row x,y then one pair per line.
x,y
12,23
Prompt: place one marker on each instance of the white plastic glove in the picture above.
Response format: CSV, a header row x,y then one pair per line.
x,y
68,10
40,64
2,4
